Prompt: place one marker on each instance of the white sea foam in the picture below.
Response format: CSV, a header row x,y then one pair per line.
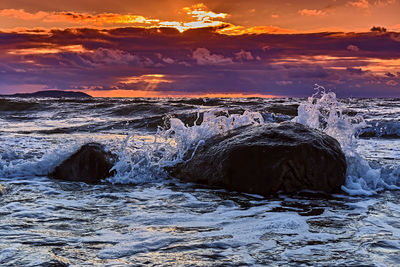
x,y
18,158
24,156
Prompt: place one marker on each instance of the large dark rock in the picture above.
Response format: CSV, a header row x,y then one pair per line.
x,y
267,159
90,164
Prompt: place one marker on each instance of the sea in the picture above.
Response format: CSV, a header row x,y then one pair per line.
x,y
143,217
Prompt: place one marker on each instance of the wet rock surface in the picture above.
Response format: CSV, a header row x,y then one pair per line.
x,y
267,159
90,164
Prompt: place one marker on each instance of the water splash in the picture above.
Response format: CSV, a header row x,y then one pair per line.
x,y
323,111
143,158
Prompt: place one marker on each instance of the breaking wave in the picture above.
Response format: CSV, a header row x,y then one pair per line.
x,y
324,112
381,129
143,155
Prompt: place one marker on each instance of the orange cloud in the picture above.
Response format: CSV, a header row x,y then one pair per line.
x,y
202,15
201,12
183,26
311,12
359,3
99,19
396,27
48,50
194,17
384,2
382,66
231,29
367,4
21,14
148,78
145,82
198,16
79,18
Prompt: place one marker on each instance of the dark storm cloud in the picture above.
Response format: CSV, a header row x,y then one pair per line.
x,y
202,60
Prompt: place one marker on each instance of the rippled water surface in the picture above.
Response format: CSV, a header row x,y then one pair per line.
x,y
142,217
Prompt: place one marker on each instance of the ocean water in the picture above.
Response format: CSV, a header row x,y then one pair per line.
x,y
143,217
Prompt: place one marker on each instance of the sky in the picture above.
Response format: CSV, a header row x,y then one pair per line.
x,y
201,48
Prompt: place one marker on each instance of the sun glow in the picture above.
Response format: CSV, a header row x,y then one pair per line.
x,y
203,18
48,50
144,93
147,78
146,82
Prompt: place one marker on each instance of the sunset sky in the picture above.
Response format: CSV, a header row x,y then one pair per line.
x,y
201,48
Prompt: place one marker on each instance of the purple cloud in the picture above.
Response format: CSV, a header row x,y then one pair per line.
x,y
202,61
204,57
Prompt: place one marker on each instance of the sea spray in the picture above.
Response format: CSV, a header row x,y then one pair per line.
x,y
143,158
324,112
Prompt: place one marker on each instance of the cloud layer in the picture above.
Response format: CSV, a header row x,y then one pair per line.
x,y
201,61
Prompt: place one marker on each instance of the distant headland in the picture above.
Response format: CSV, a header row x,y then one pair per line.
x,y
51,93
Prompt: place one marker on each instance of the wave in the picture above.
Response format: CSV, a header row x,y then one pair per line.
x,y
199,101
144,155
138,108
18,105
144,159
381,129
290,110
17,164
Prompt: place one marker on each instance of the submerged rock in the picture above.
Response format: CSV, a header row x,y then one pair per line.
x,y
90,164
267,159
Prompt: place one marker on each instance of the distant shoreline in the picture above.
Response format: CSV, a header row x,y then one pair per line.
x,y
51,93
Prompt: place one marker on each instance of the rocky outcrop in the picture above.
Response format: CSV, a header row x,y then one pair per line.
x,y
52,94
267,159
90,164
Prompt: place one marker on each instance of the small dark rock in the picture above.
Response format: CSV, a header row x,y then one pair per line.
x,y
267,159
90,164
